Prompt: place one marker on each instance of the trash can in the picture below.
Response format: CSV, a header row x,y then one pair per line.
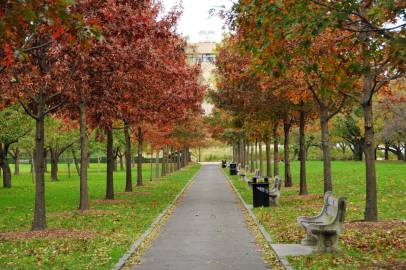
x,y
224,164
260,194
233,168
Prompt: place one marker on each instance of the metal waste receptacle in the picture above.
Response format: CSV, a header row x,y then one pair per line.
x,y
224,164
233,168
260,194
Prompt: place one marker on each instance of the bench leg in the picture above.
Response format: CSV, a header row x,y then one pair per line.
x,y
327,243
274,201
309,240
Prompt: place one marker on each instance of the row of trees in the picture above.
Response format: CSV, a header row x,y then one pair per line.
x,y
97,66
288,63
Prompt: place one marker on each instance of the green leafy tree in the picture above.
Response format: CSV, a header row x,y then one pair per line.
x,y
14,124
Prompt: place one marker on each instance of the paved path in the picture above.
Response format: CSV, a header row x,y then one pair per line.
x,y
207,231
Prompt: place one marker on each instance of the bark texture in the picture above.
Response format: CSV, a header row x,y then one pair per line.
x,y
84,158
39,222
288,174
268,157
275,150
325,144
139,162
302,154
110,166
127,153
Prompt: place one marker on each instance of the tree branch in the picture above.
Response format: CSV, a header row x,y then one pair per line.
x,y
38,47
338,109
27,111
54,108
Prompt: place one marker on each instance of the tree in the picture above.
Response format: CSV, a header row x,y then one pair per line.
x,y
390,111
60,136
346,126
32,79
14,125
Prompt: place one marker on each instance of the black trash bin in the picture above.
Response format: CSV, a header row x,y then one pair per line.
x,y
224,164
233,168
260,194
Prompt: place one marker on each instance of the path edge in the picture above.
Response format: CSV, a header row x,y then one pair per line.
x,y
282,259
134,247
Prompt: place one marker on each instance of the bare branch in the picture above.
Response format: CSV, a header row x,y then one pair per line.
x,y
338,109
53,96
28,111
54,108
38,47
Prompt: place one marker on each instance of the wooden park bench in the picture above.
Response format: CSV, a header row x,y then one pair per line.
x,y
243,173
323,230
275,192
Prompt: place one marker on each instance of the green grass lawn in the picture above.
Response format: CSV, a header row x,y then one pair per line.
x,y
95,240
380,245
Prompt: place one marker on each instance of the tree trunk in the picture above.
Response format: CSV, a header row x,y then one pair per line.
x,y
268,157
171,160
244,153
6,174
5,167
369,83
75,160
68,165
275,150
163,169
33,165
45,160
17,161
200,155
115,162
178,158
110,166
84,158
256,154
252,157
54,164
139,161
325,143
39,222
371,208
261,161
358,149
150,163
166,160
234,153
127,153
157,164
386,151
288,175
183,157
120,157
302,154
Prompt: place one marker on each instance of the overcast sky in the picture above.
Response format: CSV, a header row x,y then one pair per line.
x,y
196,19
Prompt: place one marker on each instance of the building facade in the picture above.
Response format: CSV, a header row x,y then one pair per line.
x,y
204,53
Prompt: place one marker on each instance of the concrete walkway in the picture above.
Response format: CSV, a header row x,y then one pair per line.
x,y
207,231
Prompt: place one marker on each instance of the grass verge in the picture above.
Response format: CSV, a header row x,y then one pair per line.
x,y
91,240
380,245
